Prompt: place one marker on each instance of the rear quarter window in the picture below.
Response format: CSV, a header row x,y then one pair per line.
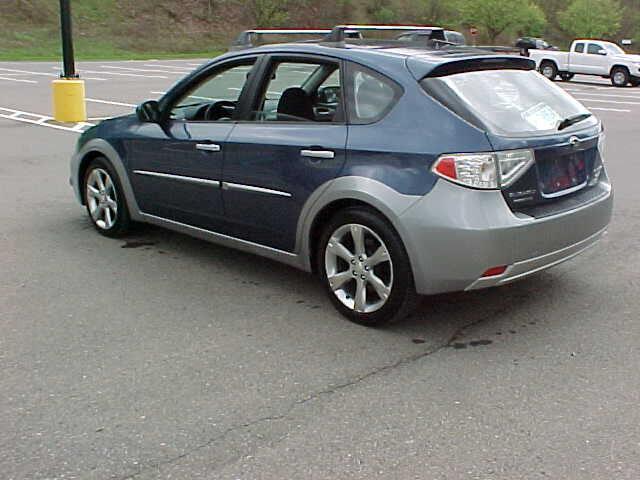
x,y
370,95
579,48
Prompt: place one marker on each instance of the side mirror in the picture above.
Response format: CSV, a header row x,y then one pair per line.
x,y
602,52
148,111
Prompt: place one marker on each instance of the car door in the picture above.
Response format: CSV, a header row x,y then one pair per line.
x,y
596,61
176,164
578,58
291,142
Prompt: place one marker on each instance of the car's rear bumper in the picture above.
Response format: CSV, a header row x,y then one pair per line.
x,y
455,234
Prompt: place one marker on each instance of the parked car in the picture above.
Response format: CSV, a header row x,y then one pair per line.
x,y
390,171
454,37
532,43
590,57
423,35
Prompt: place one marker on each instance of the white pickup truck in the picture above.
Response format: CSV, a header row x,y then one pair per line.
x,y
590,57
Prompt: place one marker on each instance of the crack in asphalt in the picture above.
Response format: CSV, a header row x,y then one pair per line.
x,y
456,335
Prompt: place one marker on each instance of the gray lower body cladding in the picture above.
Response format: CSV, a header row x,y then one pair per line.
x,y
454,234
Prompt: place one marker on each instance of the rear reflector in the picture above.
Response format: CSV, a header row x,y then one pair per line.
x,y
446,167
495,271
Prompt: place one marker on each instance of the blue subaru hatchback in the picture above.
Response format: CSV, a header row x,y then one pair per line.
x,y
388,168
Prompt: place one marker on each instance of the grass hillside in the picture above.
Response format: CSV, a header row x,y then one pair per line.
x,y
29,29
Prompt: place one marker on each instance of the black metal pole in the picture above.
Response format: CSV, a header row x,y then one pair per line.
x,y
67,40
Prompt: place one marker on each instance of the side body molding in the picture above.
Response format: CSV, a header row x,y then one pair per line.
x,y
388,201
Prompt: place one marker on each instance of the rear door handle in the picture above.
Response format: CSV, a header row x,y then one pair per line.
x,y
208,147
323,154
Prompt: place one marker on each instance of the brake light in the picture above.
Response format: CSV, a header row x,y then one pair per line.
x,y
484,170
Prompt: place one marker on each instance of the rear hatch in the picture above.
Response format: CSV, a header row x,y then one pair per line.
x,y
521,111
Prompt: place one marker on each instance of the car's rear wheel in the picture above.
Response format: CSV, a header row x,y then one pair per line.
x,y
104,199
566,76
620,77
549,70
365,268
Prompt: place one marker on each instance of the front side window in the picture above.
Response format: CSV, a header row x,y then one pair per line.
x,y
579,48
506,102
301,91
371,95
214,98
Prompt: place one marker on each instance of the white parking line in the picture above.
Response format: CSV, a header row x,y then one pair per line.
x,y
607,95
42,120
110,102
143,70
121,74
28,72
17,80
157,93
186,70
610,109
615,102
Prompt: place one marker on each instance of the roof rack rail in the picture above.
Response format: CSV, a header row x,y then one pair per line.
x,y
338,32
247,38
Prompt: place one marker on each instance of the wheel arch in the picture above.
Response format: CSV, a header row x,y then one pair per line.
x,y
619,65
101,148
346,192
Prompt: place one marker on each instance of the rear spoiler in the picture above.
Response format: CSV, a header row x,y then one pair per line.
x,y
475,64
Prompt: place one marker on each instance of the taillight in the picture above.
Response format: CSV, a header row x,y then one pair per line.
x,y
484,170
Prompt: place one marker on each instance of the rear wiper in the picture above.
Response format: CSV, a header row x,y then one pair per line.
x,y
567,122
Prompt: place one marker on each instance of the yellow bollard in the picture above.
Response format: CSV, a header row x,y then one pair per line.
x,y
68,100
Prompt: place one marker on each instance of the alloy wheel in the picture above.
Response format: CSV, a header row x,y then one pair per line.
x,y
358,268
619,78
102,199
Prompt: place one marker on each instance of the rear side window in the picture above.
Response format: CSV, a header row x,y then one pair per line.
x,y
594,48
370,95
506,102
579,48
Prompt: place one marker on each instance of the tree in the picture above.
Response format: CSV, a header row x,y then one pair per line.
x,y
269,13
592,18
494,17
534,22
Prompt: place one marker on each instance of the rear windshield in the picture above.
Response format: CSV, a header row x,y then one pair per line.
x,y
506,102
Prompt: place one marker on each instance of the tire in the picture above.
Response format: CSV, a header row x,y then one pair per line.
x,y
566,76
620,77
341,259
549,69
104,199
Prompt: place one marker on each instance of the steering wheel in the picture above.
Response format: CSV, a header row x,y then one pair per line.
x,y
219,110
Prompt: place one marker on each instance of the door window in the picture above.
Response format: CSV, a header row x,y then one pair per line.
x,y
371,95
579,48
301,92
215,98
594,49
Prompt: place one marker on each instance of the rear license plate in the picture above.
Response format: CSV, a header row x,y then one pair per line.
x,y
562,175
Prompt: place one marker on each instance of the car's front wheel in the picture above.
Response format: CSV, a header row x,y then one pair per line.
x,y
549,70
104,199
620,77
365,268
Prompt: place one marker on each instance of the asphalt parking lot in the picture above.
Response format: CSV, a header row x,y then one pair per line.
x,y
161,356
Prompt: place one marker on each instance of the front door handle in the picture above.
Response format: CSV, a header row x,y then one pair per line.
x,y
208,147
323,154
